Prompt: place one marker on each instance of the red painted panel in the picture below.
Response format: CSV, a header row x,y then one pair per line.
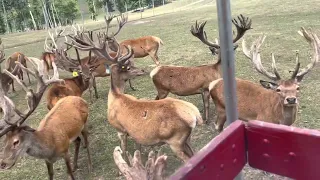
x,y
283,150
222,158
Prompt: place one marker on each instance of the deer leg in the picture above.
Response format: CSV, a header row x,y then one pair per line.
x,y
85,137
13,90
206,103
76,153
154,56
178,149
130,84
50,170
68,164
188,150
137,146
95,87
221,119
123,143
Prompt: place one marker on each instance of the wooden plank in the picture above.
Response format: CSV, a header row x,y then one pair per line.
x,y
287,151
222,158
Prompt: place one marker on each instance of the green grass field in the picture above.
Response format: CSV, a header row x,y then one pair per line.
x,y
278,19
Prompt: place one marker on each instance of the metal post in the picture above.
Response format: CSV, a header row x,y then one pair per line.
x,y
227,56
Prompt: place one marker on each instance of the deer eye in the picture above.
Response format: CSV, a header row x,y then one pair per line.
x,y
298,88
278,90
128,68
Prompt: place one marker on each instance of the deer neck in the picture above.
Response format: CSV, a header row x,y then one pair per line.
x,y
290,114
117,83
83,85
37,146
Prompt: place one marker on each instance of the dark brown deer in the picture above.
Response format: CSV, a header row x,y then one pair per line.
x,y
274,102
185,81
50,141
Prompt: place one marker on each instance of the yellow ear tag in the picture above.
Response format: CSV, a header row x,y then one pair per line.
x,y
123,67
75,74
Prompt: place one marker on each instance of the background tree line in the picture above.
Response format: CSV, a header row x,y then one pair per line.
x,y
24,15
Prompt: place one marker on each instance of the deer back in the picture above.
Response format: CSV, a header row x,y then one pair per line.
x,y
73,87
70,124
173,77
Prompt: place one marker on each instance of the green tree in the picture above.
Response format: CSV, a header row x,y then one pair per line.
x,y
68,10
2,25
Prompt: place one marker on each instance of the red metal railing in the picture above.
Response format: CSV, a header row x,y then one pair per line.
x,y
287,151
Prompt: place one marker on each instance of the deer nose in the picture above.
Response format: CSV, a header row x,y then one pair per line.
x,y
3,165
291,100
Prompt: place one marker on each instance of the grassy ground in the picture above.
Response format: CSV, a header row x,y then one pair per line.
x,y
278,19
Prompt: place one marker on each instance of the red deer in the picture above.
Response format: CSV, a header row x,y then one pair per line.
x,y
278,100
168,120
11,63
142,46
50,141
185,81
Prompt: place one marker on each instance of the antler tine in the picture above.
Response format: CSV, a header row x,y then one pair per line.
x,y
12,116
313,40
121,22
242,26
254,55
129,54
296,70
198,31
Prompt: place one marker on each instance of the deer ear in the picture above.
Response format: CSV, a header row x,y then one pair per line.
x,y
27,128
268,85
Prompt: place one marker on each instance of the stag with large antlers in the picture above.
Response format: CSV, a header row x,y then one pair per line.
x,y
185,81
168,120
50,141
76,85
277,100
84,42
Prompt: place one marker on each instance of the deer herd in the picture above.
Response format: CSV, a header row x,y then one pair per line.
x,y
164,120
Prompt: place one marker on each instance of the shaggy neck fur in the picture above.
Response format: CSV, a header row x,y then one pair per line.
x,y
37,147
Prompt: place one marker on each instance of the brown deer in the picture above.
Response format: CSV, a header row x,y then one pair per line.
x,y
142,46
185,81
11,63
50,141
278,100
74,86
168,120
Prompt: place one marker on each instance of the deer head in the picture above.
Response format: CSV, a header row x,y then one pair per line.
x,y
287,88
65,62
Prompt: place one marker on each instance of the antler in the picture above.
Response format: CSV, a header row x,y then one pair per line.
x,y
12,116
84,42
254,55
198,31
52,46
153,170
121,22
314,41
242,26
